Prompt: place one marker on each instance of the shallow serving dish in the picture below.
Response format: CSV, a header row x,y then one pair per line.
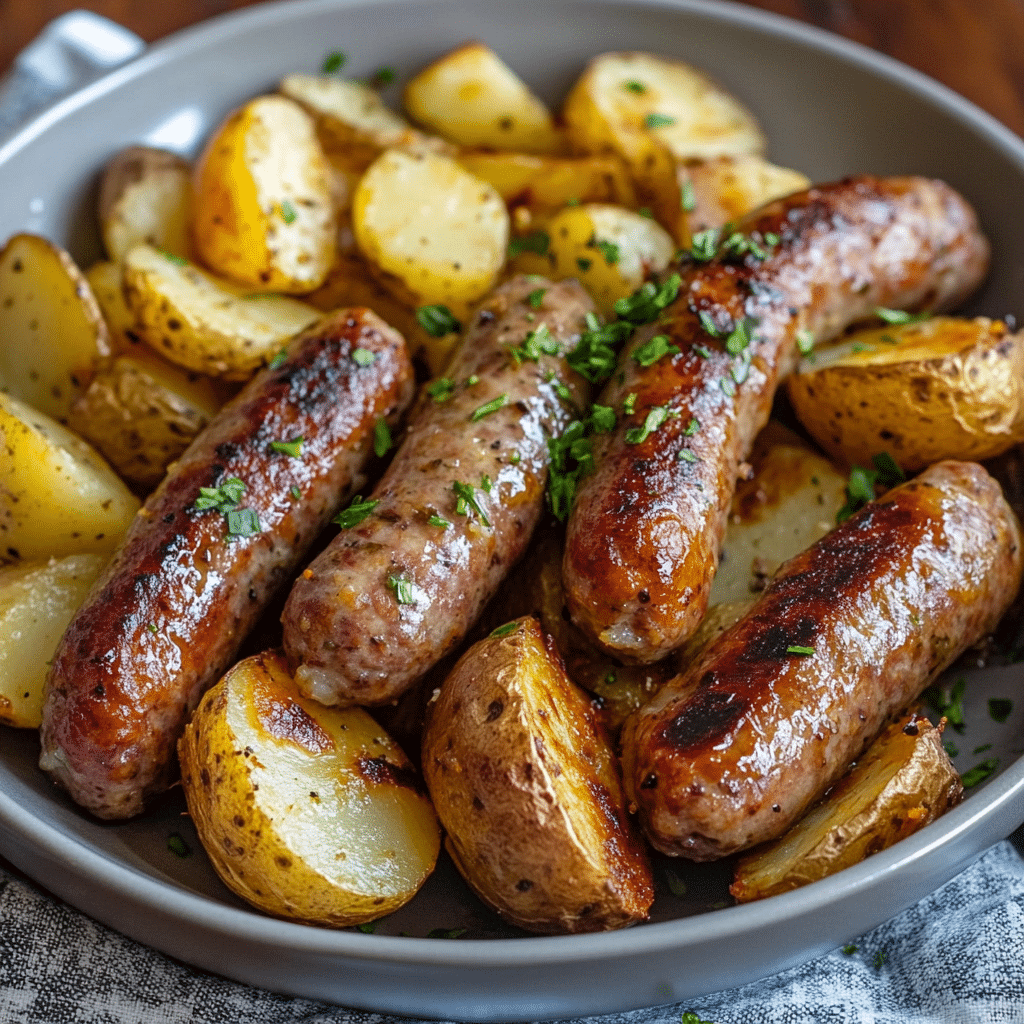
x,y
829,108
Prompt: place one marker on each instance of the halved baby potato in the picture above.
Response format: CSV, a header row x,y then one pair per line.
x,y
203,324
307,812
903,782
263,208
945,388
527,788
57,495
431,231
37,600
141,413
145,196
52,333
474,98
609,250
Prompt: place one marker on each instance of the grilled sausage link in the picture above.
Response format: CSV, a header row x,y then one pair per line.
x,y
172,608
734,750
453,512
644,535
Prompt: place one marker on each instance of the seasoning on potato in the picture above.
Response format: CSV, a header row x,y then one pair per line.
x,y
307,812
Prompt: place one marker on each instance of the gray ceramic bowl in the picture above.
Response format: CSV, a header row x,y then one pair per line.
x,y
829,108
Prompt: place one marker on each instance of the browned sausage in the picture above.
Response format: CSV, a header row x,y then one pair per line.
x,y
644,534
396,592
171,610
734,750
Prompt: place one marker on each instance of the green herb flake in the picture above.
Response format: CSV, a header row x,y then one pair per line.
x,y
685,455
654,419
442,389
709,325
488,407
979,772
382,441
465,499
486,484
656,348
860,489
152,627
333,63
288,212
693,427
367,927
859,346
292,448
536,297
402,588
602,419
704,245
610,678
472,380
439,522
658,121
437,320
691,1018
178,846
880,958
364,357
634,86
647,302
899,316
356,512
805,342
243,522
609,250
381,78
888,339
676,885
740,336
849,949
999,708
515,458
797,649
583,263
178,261
629,404
295,492
727,386
703,351
688,196
948,702
223,498
537,342
279,360
536,242
509,627
888,469
981,749
646,212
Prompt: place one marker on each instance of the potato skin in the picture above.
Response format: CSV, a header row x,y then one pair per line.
x,y
527,788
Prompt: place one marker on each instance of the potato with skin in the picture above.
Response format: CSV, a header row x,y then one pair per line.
x,y
204,324
106,279
472,97
37,601
145,196
903,782
53,333
945,388
263,210
57,495
307,812
430,231
141,413
527,788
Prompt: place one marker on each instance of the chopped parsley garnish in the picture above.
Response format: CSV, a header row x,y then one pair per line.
x,y
805,342
708,244
691,1018
629,403
948,702
703,351
950,748
382,441
535,242
644,305
364,357
223,498
465,499
367,927
295,492
999,708
688,196
982,748
572,459
849,949
704,245
797,649
727,386
676,885
439,522
658,121
442,389
646,212
609,250
278,360
889,472
485,484
537,343
243,522
651,351
707,321
880,958
292,448
178,846
979,772
488,407
860,488
860,346
178,261
381,78
471,380
634,86
692,428
740,336
899,316
288,213
561,389
594,356
437,321
509,627
685,455
654,419
356,512
602,419
402,588
515,458
583,263
152,627
536,297
334,62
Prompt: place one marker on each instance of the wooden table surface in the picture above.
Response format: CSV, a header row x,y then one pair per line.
x,y
974,46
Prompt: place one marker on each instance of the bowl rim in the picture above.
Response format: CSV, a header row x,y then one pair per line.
x,y
968,819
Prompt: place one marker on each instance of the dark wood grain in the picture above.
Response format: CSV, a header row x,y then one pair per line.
x,y
974,46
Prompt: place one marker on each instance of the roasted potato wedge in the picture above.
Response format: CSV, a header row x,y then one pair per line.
x,y
788,502
472,97
141,413
903,782
57,495
307,812
725,189
263,208
946,388
37,600
609,250
527,788
53,333
144,197
432,232
107,282
204,324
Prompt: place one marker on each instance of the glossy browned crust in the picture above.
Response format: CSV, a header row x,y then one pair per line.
x,y
733,751
644,534
171,610
351,639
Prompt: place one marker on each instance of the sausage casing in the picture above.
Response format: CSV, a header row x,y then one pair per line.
x,y
395,593
734,750
170,611
645,532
